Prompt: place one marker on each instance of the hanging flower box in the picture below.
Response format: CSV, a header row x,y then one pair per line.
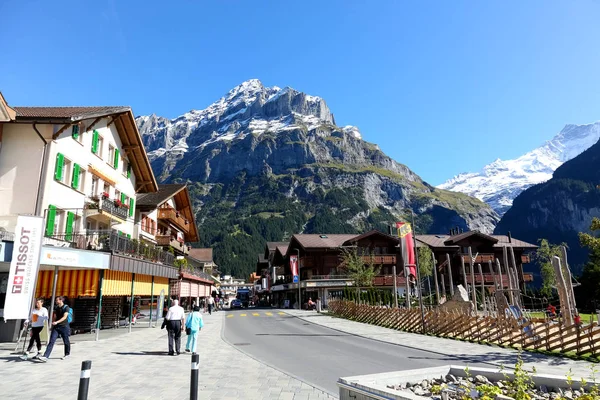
x,y
118,203
105,195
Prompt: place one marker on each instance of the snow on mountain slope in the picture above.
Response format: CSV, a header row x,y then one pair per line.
x,y
501,181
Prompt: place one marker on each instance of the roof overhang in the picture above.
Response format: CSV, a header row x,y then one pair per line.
x,y
7,114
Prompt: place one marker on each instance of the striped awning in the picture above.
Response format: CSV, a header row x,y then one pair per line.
x,y
185,289
70,283
118,283
193,289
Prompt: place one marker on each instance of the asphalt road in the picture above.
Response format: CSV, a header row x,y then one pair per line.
x,y
316,354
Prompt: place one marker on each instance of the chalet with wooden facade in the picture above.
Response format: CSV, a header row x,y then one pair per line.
x,y
322,274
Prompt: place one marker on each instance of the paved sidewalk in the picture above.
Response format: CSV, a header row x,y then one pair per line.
x,y
458,352
136,366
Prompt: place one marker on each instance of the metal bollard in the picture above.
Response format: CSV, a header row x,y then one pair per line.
x,y
194,380
84,380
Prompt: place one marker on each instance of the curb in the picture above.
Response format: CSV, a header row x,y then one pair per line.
x,y
324,391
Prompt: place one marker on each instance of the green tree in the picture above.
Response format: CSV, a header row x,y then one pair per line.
x,y
425,261
544,255
589,294
181,263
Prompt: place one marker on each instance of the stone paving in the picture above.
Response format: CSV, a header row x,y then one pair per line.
x,y
458,352
136,366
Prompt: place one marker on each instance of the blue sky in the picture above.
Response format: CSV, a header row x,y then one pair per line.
x,y
442,86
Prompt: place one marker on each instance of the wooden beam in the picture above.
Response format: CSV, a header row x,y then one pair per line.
x,y
131,147
61,130
113,120
92,124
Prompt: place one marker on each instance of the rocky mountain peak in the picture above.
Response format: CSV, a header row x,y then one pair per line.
x,y
501,181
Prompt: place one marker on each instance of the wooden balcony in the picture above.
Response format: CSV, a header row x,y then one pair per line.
x,y
171,215
388,280
480,259
167,240
380,259
525,259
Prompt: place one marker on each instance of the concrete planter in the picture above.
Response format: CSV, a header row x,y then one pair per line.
x,y
375,386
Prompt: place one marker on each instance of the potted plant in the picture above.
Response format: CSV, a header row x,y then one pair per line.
x,y
118,203
105,195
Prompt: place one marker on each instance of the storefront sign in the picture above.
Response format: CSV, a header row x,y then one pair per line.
x,y
23,267
74,258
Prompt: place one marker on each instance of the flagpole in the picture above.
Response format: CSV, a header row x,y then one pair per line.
x,y
414,229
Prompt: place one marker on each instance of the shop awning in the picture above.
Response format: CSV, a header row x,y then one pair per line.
x,y
118,283
70,283
193,289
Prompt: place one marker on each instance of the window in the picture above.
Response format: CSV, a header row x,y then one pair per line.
x,y
125,166
62,169
78,179
113,156
106,190
97,144
117,194
75,134
94,188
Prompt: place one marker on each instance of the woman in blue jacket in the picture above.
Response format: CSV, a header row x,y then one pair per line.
x,y
193,324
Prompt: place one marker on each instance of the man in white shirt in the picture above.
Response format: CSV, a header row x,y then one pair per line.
x,y
175,323
211,304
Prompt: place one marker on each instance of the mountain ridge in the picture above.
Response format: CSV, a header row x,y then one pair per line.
x,y
501,181
262,163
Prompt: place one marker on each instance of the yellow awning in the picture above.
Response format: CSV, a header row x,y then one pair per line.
x,y
70,283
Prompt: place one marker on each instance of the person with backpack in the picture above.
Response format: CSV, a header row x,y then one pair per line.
x,y
63,316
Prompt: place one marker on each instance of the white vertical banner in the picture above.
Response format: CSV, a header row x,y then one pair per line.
x,y
24,267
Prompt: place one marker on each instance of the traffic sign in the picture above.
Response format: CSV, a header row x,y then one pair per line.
x,y
296,279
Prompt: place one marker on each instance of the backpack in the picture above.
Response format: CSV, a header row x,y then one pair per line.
x,y
70,316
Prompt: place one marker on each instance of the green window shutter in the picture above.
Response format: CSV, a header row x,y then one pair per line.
x,y
58,169
95,139
75,180
69,227
123,198
116,162
131,207
129,171
128,236
50,217
75,132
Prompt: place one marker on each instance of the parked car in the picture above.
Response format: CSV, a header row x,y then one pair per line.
x,y
236,303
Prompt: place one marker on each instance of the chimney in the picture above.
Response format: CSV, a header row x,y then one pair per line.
x,y
509,237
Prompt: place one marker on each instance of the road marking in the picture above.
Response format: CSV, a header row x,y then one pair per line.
x,y
230,316
269,314
281,313
242,315
255,314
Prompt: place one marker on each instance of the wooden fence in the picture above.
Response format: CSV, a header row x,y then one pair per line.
x,y
525,334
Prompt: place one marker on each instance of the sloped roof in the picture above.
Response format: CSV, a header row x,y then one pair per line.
x,y
71,113
501,241
203,255
6,112
314,241
272,246
372,233
165,192
282,249
461,236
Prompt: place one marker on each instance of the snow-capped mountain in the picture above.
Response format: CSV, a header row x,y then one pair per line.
x,y
501,181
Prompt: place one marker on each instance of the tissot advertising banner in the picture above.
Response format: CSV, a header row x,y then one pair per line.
x,y
294,265
407,246
23,267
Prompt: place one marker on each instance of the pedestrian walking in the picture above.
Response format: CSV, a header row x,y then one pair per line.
x,y
174,323
60,327
39,316
211,304
193,324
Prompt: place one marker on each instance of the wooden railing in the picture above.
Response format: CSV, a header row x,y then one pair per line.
x,y
170,214
380,258
168,240
550,336
481,258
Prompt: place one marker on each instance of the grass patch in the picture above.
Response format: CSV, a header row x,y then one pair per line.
x,y
267,215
